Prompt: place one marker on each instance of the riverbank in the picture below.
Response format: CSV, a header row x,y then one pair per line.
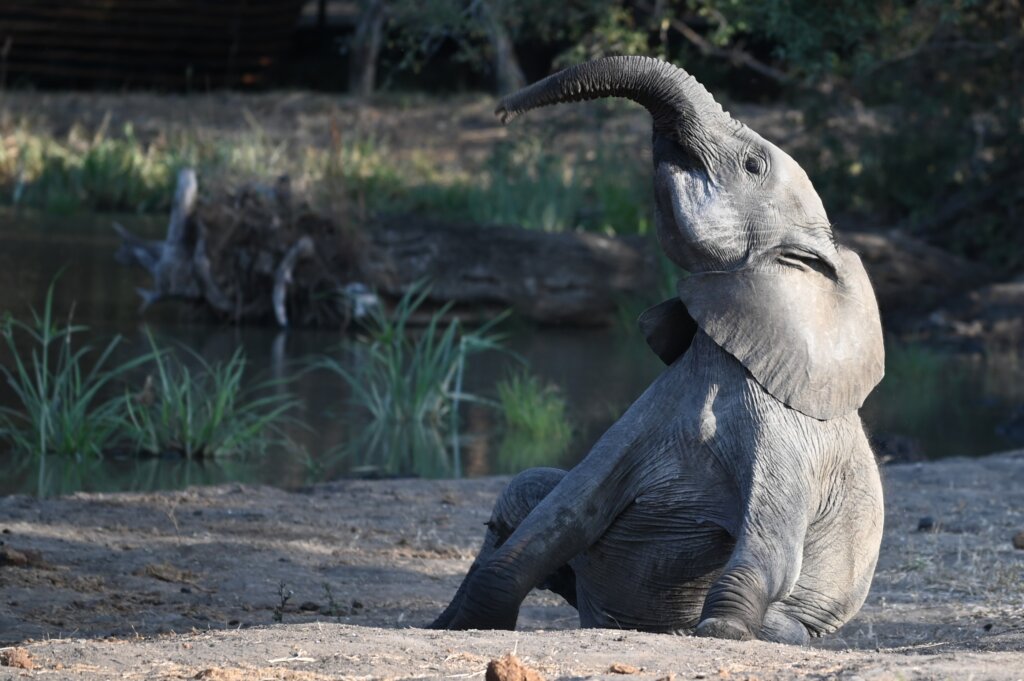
x,y
225,582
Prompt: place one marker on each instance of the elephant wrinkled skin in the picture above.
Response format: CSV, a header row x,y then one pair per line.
x,y
738,496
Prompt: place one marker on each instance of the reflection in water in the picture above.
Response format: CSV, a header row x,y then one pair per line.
x,y
55,476
945,405
948,406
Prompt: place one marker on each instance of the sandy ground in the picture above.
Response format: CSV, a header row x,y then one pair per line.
x,y
239,582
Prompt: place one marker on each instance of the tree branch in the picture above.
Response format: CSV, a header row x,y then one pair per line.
x,y
734,54
303,248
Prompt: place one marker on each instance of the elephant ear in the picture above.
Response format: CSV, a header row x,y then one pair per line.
x,y
668,329
812,340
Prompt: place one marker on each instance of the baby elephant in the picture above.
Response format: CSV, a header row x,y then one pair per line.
x,y
738,496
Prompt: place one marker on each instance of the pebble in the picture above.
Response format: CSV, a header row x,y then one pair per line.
x,y
510,668
620,668
1018,540
927,524
17,658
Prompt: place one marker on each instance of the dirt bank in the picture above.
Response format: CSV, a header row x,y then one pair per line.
x,y
253,582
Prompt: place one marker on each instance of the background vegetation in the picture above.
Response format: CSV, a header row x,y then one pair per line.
x,y
906,113
918,105
915,108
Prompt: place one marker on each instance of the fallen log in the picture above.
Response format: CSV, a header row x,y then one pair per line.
x,y
258,255
553,278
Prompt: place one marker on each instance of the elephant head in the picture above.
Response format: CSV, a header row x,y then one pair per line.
x,y
767,280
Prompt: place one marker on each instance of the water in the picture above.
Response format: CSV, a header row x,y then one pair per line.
x,y
935,406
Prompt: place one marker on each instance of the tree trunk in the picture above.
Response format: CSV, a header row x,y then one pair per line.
x,y
508,75
365,48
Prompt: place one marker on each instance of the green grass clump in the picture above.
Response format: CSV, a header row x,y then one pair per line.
x,y
205,412
522,183
97,173
62,391
408,386
537,427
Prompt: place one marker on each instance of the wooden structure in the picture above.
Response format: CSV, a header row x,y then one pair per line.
x,y
176,44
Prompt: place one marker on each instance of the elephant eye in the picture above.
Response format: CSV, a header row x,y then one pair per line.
x,y
753,165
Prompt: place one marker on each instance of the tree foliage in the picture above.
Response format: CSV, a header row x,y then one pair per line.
x,y
943,81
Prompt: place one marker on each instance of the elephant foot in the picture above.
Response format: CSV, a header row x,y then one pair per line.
x,y
716,627
779,627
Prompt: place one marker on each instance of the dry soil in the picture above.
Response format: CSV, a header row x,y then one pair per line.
x,y
336,581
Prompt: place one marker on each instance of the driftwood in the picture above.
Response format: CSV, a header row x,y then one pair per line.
x,y
252,255
258,255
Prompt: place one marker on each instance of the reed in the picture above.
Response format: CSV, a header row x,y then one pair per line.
x,y
537,429
203,410
407,385
64,393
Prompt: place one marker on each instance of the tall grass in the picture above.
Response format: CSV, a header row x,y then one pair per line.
x,y
206,411
522,183
62,390
95,173
408,386
525,184
537,427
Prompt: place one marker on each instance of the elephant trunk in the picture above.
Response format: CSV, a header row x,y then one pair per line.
x,y
680,106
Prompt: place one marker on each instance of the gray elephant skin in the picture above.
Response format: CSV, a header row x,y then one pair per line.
x,y
738,496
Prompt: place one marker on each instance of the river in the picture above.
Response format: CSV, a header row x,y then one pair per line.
x,y
932,405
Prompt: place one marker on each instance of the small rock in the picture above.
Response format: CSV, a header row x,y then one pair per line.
x,y
310,606
1018,540
927,524
620,668
17,658
509,668
357,605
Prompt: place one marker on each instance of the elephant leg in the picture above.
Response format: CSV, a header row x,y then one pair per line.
x,y
520,497
842,549
765,563
562,520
